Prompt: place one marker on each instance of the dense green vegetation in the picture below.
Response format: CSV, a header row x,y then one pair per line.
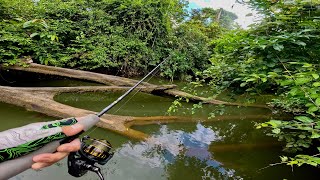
x,y
278,56
114,36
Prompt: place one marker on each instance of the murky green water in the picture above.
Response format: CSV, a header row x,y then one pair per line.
x,y
143,104
179,151
229,149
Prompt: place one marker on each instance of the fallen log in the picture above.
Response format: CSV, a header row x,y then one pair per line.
x,y
120,81
41,99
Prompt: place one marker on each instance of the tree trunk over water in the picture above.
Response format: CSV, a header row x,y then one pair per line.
x,y
120,81
40,99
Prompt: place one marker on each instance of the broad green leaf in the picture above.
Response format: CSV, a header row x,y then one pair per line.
x,y
309,104
314,96
300,43
315,76
33,35
275,123
18,19
237,79
243,84
264,79
294,62
302,136
295,91
286,82
315,135
255,75
263,46
273,73
53,37
306,65
306,128
27,24
289,145
304,119
251,79
291,163
276,130
316,84
313,109
44,24
284,158
317,101
300,81
278,47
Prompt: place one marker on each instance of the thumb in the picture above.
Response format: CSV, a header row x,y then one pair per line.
x,y
72,130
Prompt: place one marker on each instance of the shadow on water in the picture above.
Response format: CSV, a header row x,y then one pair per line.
x,y
29,79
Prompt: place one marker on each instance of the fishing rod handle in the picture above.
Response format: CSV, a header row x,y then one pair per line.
x,y
48,144
16,166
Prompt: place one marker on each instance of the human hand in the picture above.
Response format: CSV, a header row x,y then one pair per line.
x,y
47,159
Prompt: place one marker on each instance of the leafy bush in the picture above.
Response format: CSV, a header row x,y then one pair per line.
x,y
281,56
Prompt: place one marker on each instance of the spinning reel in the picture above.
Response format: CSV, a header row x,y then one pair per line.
x,y
92,151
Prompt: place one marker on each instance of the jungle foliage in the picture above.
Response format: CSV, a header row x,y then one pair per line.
x,y
124,37
280,56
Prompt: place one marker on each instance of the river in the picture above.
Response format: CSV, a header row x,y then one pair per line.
x,y
226,149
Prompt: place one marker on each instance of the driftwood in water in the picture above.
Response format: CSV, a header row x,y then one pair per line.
x,y
120,81
40,99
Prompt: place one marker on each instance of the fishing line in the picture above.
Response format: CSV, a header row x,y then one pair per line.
x,y
126,101
136,92
118,108
152,75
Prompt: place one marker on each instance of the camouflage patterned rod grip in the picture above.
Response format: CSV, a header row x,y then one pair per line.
x,y
23,141
16,166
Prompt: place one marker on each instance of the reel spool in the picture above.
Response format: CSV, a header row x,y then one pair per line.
x,y
92,151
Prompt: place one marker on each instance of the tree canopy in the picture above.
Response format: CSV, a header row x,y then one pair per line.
x,y
114,36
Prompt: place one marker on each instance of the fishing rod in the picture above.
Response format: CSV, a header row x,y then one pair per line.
x,y
19,145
